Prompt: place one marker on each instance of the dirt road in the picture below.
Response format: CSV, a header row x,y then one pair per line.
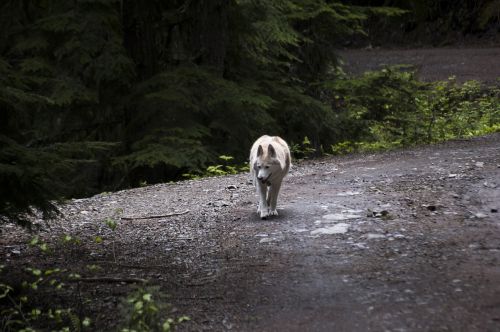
x,y
398,241
431,64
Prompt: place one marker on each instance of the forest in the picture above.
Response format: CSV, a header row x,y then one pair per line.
x,y
100,95
388,221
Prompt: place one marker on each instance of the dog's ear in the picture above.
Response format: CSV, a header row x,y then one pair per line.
x,y
271,151
260,151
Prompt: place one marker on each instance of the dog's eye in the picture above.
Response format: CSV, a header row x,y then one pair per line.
x,y
267,166
258,167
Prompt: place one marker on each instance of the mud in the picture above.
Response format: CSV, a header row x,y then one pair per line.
x,y
414,245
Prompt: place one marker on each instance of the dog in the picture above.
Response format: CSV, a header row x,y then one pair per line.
x,y
270,161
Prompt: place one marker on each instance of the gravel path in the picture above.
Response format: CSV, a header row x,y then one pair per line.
x,y
482,64
398,241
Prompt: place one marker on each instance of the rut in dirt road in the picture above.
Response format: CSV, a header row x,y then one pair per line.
x,y
398,241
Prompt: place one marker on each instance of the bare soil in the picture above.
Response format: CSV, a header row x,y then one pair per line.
x,y
415,246
431,64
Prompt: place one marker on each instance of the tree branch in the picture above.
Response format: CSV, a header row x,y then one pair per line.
x,y
109,280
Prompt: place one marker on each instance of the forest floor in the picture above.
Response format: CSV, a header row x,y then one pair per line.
x,y
407,240
431,64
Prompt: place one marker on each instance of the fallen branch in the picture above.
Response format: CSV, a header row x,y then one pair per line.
x,y
130,266
156,217
209,298
109,280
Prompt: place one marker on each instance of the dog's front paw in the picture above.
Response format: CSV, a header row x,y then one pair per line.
x,y
261,207
273,212
264,214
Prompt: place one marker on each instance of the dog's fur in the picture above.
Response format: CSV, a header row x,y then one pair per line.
x,y
270,161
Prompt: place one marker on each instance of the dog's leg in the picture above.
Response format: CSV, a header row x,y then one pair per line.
x,y
258,194
274,190
268,196
263,207
257,187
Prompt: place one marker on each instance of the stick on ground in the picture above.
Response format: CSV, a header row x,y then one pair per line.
x,y
156,217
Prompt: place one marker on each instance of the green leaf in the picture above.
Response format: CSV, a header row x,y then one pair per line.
x,y
111,223
67,238
5,290
34,241
138,305
86,322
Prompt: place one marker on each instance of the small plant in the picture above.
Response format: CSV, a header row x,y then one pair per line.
x,y
112,224
23,306
189,176
36,242
344,148
226,167
303,150
24,311
223,169
71,244
147,310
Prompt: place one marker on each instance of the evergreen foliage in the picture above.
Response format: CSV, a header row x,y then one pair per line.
x,y
25,182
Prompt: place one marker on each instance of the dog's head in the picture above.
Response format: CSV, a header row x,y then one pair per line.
x,y
266,164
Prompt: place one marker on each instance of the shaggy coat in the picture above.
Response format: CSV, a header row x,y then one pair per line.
x,y
270,161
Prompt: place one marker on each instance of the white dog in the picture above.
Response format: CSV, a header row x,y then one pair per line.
x,y
270,161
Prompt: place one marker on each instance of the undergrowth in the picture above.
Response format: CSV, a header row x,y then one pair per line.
x,y
227,166
391,108
52,298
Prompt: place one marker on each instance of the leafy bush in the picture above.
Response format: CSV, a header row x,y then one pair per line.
x,y
227,166
303,150
390,108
